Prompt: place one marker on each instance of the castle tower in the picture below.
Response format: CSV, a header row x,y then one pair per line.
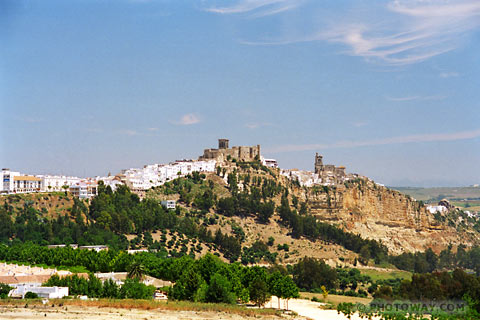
x,y
318,163
222,143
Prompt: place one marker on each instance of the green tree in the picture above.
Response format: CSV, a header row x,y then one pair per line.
x,y
219,290
4,290
110,289
136,270
310,273
364,254
258,291
133,289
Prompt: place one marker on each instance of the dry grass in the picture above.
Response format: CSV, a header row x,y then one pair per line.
x,y
334,299
149,305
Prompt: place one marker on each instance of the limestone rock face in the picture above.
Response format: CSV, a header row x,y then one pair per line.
x,y
379,213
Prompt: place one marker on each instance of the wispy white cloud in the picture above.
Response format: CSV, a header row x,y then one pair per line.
x,y
397,32
418,30
258,8
416,98
433,137
449,75
188,119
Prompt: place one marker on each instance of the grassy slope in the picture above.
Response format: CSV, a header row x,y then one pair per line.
x,y
377,274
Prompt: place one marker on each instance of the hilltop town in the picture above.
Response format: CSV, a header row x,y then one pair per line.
x,y
139,180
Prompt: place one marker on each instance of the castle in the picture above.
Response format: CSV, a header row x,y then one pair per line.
x,y
328,173
240,153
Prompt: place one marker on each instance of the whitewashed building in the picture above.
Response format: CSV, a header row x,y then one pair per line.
x,y
7,179
141,179
169,204
84,189
52,183
44,292
272,163
435,209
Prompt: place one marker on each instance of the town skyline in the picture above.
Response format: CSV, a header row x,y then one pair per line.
x,y
93,87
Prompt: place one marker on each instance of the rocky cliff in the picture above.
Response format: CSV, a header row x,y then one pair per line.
x,y
377,212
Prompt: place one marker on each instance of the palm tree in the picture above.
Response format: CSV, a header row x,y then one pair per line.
x,y
136,270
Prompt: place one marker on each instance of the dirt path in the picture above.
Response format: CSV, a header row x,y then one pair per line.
x,y
310,309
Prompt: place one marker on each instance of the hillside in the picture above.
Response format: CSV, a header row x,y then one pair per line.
x,y
359,206
252,213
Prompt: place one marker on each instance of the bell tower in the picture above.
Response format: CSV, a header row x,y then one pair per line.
x,y
318,163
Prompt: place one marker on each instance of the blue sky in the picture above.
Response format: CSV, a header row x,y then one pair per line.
x,y
390,89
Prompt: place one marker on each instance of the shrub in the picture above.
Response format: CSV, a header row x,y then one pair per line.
x,y
31,295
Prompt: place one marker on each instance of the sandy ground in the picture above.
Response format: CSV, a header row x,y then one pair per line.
x,y
311,310
93,313
304,308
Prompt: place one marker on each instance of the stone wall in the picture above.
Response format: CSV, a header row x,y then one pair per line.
x,y
241,153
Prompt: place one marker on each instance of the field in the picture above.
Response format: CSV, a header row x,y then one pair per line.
x,y
378,274
333,299
466,198
427,194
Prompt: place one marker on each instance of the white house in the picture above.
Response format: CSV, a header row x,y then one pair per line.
x,y
270,162
154,175
7,180
56,183
169,204
435,209
84,190
25,184
44,292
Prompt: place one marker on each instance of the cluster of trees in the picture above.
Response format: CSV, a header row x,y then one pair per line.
x,y
230,246
123,212
29,224
254,200
436,286
442,286
207,279
92,287
256,252
310,274
109,216
428,261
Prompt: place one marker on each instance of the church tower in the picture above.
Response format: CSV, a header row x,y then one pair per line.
x,y
318,163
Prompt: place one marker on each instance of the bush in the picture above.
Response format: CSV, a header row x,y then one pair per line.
x,y
133,289
219,290
31,295
4,290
